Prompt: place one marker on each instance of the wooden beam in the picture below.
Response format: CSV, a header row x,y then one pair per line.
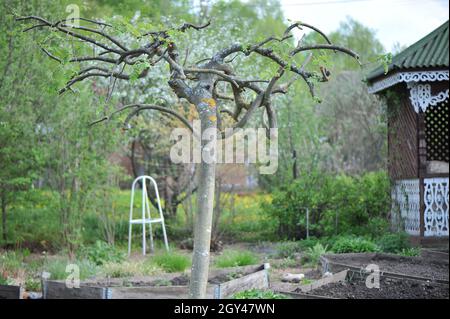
x,y
59,290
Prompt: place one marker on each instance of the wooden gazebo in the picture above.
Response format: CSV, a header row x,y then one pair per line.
x,y
416,89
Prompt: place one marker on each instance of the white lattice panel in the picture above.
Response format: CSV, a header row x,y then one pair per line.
x,y
436,206
406,201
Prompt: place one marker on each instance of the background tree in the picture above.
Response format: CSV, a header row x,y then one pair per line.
x,y
147,129
19,152
44,138
78,162
346,132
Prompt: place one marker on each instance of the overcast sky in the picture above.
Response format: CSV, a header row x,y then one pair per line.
x,y
402,21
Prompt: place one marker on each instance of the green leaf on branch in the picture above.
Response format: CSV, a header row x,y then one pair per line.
x,y
385,60
138,68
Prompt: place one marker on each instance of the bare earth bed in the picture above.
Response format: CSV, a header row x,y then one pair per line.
x,y
223,283
412,266
175,279
163,280
389,289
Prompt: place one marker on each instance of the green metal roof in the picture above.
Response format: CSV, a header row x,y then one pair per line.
x,y
429,52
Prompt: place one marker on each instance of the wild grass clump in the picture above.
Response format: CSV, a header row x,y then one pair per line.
x,y
58,268
234,258
313,254
129,269
10,262
352,244
410,252
288,249
171,262
102,252
394,242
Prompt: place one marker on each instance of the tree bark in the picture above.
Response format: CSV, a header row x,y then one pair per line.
x,y
202,232
294,165
4,232
204,216
217,210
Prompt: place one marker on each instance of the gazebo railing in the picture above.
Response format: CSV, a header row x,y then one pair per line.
x,y
406,206
436,206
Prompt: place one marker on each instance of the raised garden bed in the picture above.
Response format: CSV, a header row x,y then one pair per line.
x,y
308,291
400,278
222,283
354,287
11,292
350,284
434,254
393,266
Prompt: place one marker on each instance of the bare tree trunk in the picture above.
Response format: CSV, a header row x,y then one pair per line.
x,y
202,231
294,165
3,198
217,210
293,151
204,216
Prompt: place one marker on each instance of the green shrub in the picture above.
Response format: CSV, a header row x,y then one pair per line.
x,y
337,205
394,242
258,294
234,258
101,252
308,243
172,262
32,284
3,279
286,263
349,244
243,218
42,229
287,249
375,227
410,252
306,281
313,254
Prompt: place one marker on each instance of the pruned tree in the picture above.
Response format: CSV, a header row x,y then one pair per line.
x,y
209,85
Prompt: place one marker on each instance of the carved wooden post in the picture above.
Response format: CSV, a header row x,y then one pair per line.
x,y
422,149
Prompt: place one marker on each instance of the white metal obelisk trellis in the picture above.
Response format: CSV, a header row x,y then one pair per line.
x,y
146,217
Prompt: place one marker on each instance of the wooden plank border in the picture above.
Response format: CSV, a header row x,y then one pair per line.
x,y
256,280
52,289
256,277
331,266
339,277
11,292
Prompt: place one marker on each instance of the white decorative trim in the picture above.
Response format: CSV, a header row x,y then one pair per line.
x,y
405,77
421,98
406,205
436,206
